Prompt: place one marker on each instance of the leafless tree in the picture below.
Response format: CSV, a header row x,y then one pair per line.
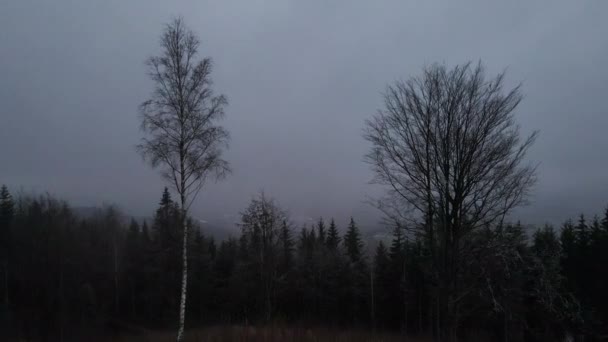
x,y
179,120
448,149
262,223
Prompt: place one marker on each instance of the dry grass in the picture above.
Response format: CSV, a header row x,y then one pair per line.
x,y
269,334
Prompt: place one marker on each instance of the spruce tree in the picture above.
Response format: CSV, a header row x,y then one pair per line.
x,y
381,259
309,239
359,274
568,239
605,221
595,234
397,247
546,247
145,233
7,208
302,240
601,262
7,212
582,232
570,254
333,237
544,279
352,242
165,253
395,289
382,282
167,227
321,231
582,263
211,247
133,265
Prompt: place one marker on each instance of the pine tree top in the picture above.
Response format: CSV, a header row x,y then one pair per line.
x,y
7,206
381,252
4,193
321,231
397,243
165,199
353,242
333,236
286,236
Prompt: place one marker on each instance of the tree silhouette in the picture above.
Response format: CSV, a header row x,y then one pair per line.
x,y
180,125
448,149
333,236
7,213
352,242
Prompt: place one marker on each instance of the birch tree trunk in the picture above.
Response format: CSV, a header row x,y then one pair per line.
x,y
184,292
180,122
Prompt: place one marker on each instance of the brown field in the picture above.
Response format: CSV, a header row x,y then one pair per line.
x,y
270,334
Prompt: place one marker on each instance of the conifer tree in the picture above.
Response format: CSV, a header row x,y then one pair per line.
x,y
570,255
145,233
397,247
358,271
382,282
166,223
595,234
7,208
397,287
133,264
321,235
605,220
568,239
582,232
352,242
551,301
381,259
7,212
333,237
211,248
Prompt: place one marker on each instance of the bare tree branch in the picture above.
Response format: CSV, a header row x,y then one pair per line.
x,y
180,123
448,150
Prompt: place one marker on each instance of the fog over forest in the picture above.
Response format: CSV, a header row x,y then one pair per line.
x,y
301,78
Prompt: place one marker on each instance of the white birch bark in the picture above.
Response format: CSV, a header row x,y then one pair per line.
x,y
182,303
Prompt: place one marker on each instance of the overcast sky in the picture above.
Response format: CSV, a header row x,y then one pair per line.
x,y
301,78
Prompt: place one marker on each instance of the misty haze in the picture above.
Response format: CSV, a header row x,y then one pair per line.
x,y
303,171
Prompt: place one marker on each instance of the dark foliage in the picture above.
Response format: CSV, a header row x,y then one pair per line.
x,y
108,273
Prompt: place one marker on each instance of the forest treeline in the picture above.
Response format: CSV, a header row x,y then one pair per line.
x,y
64,277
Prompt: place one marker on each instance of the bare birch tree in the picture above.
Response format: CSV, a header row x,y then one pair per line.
x,y
448,149
180,122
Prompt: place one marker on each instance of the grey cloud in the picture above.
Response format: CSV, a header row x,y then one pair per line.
x,y
301,76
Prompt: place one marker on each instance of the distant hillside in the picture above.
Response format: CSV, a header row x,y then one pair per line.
x,y
218,230
226,226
